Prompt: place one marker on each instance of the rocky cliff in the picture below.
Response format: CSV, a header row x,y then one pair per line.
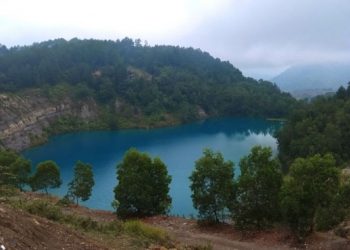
x,y
24,117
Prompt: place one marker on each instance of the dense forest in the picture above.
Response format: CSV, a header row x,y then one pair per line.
x,y
151,81
319,127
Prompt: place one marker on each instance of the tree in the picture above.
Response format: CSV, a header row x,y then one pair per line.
x,y
16,167
311,185
258,186
143,185
21,169
47,175
82,183
212,186
6,177
7,157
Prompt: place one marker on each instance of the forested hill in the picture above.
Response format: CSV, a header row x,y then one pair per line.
x,y
319,127
159,79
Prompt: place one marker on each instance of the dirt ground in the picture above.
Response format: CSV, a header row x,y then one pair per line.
x,y
225,237
20,230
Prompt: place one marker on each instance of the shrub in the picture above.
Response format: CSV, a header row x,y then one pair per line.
x,y
142,230
143,186
257,203
43,209
212,186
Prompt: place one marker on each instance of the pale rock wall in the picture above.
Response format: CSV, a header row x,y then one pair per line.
x,y
25,117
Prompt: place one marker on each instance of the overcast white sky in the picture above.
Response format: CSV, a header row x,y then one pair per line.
x,y
260,37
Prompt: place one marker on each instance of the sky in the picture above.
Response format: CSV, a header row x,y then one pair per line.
x,y
260,37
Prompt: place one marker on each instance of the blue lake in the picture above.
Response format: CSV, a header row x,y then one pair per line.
x,y
179,147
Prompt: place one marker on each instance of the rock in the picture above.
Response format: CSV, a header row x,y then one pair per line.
x,y
23,119
201,113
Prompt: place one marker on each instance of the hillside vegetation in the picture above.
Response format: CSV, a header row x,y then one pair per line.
x,y
130,79
319,127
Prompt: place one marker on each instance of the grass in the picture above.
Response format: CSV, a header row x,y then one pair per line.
x,y
146,232
131,234
141,234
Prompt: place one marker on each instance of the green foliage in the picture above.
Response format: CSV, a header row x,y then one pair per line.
x,y
21,169
7,177
14,169
70,123
47,175
82,183
143,185
6,190
258,186
327,217
150,80
7,157
143,235
319,127
142,230
212,186
65,201
310,190
44,209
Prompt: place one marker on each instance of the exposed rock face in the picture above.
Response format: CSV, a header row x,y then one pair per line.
x,y
24,118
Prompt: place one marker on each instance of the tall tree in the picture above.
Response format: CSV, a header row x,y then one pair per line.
x,y
143,185
21,169
16,167
311,185
258,186
83,181
212,186
47,175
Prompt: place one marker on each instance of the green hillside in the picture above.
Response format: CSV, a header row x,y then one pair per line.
x,y
158,82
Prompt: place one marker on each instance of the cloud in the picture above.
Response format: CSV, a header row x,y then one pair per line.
x,y
263,35
274,33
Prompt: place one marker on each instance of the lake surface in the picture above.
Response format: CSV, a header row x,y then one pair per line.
x,y
179,147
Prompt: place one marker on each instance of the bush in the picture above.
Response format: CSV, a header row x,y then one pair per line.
x,y
328,217
8,191
65,201
212,186
309,192
143,186
257,203
139,229
43,209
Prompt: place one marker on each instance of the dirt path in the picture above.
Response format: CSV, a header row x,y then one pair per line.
x,y
224,237
21,230
219,237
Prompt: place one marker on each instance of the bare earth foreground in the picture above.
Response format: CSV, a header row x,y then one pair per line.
x,y
21,230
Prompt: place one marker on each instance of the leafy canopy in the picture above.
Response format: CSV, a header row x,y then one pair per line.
x,y
15,170
212,186
47,175
157,81
319,127
143,185
258,186
311,185
83,181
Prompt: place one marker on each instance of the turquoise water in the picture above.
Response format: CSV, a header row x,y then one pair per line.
x,y
178,147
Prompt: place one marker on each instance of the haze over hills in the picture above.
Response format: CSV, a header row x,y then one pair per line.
x,y
314,79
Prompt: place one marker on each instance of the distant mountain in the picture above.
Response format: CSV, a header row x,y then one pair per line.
x,y
314,78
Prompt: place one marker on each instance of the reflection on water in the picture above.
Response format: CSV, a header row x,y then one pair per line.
x,y
178,147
